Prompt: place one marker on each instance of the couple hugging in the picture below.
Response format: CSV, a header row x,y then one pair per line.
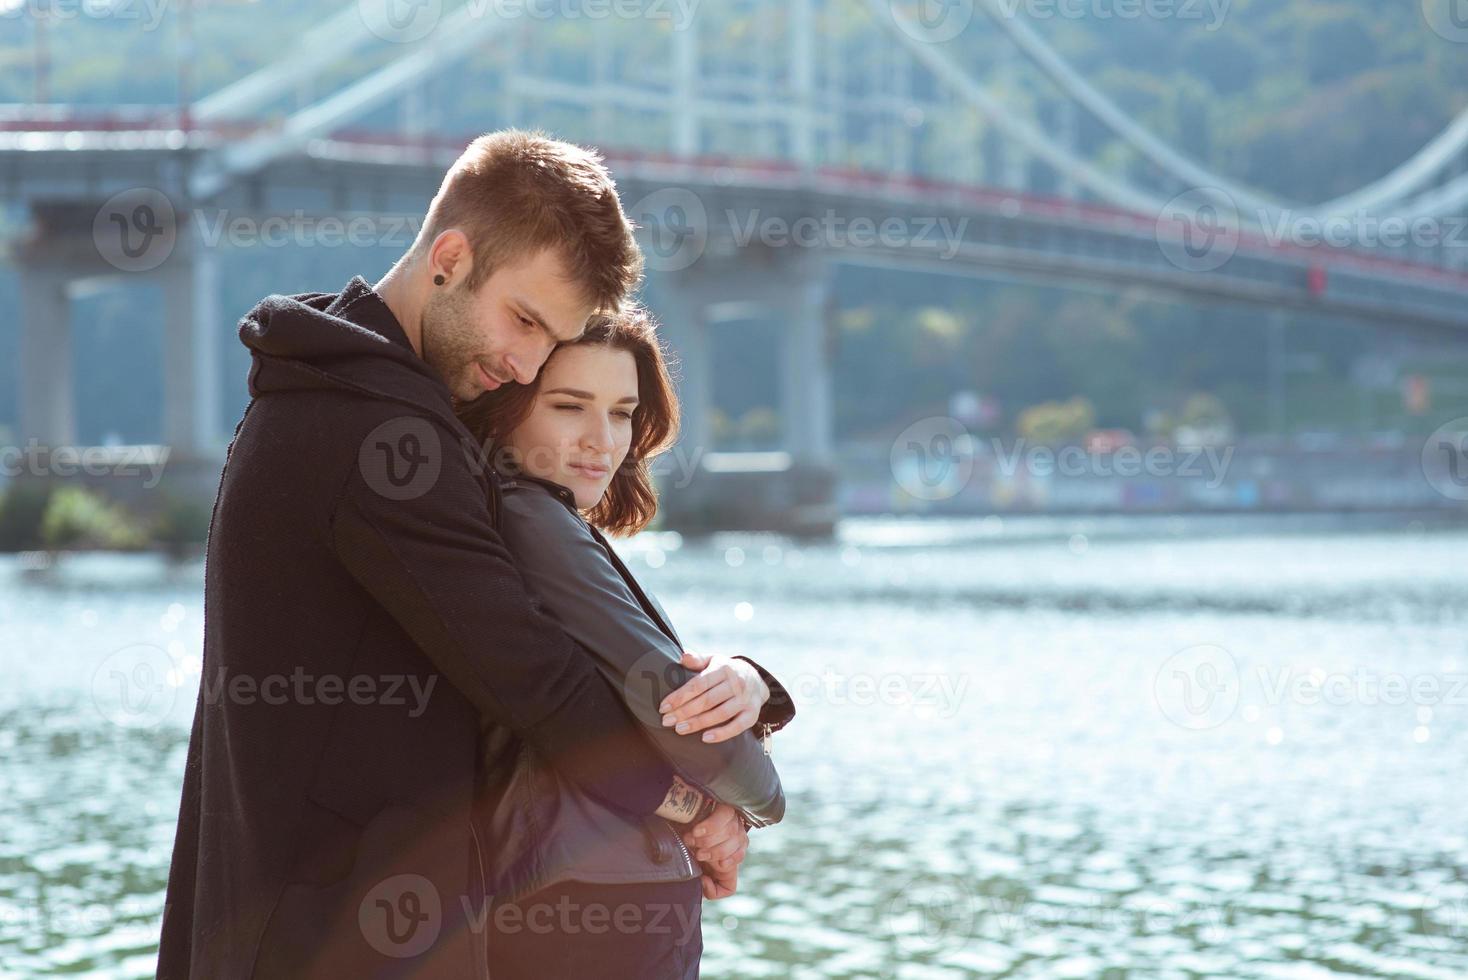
x,y
418,498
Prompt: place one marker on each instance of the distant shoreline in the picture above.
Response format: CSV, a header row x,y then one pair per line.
x,y
1010,527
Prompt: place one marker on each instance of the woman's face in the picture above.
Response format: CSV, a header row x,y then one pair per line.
x,y
580,425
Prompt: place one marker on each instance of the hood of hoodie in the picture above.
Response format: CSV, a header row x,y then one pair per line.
x,y
347,341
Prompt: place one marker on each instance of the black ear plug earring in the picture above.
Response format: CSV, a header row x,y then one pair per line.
x,y
439,280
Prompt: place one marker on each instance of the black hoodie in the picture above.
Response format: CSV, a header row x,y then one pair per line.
x,y
362,618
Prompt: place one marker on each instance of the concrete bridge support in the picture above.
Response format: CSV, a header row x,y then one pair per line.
x,y
682,311
790,490
191,332
61,256
805,364
47,397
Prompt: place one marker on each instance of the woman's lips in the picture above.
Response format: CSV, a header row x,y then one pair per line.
x,y
591,472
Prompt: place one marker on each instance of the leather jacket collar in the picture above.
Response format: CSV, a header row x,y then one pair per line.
x,y
509,475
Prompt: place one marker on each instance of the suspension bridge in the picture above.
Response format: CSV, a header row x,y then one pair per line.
x,y
750,168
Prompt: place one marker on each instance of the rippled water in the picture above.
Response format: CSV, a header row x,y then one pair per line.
x,y
1024,749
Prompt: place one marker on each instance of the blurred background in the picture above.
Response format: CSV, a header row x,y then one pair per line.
x,y
1076,420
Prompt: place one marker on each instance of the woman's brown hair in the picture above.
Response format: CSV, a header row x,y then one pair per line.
x,y
630,501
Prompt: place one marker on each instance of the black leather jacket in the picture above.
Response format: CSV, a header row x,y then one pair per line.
x,y
535,828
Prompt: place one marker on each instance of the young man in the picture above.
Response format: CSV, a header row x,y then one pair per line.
x,y
362,613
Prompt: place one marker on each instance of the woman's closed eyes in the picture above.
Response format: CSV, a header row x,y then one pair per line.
x,y
572,407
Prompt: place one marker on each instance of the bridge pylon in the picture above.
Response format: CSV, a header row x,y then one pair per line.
x,y
790,489
72,248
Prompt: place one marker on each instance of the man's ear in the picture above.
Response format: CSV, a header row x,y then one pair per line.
x,y
452,254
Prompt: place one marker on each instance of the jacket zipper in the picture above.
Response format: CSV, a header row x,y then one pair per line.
x,y
692,868
481,951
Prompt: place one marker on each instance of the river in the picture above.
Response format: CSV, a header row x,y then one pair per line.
x,y
1104,748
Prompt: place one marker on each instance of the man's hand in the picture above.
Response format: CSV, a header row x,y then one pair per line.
x,y
719,884
727,692
719,843
720,840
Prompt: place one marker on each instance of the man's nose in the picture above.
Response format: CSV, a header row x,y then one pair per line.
x,y
531,359
523,369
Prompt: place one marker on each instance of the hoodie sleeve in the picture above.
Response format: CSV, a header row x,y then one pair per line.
x,y
415,532
567,569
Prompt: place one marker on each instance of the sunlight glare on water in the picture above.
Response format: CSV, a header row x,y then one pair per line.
x,y
1183,750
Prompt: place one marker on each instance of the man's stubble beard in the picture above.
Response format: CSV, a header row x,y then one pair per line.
x,y
449,345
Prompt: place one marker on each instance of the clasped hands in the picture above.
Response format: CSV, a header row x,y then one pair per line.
x,y
721,702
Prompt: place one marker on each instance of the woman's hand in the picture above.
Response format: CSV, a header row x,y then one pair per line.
x,y
727,692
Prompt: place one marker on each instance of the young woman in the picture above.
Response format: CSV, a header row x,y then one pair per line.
x,y
595,891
